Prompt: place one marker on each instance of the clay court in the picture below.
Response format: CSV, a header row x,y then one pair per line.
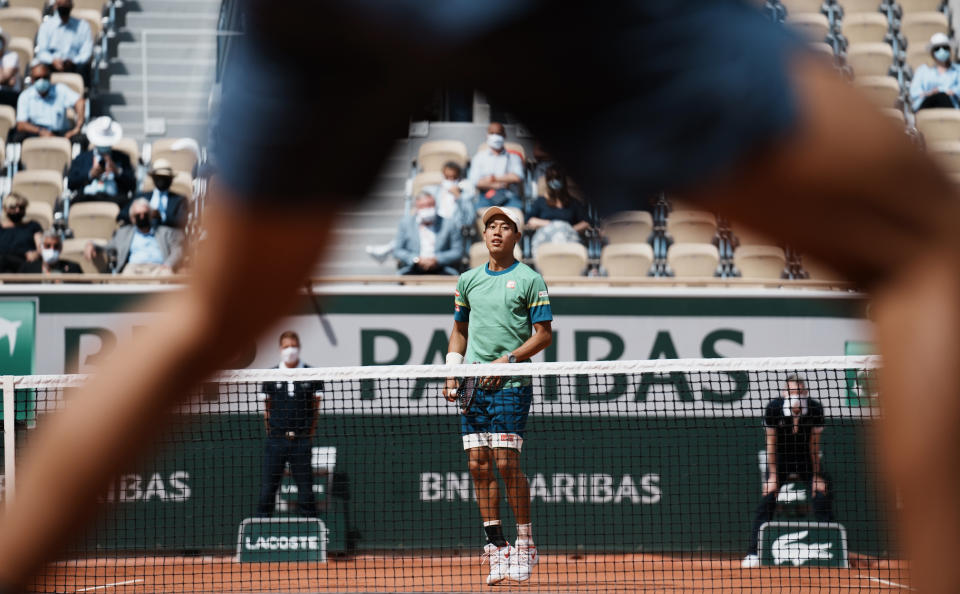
x,y
449,573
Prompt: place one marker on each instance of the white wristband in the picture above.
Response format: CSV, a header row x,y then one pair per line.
x,y
454,358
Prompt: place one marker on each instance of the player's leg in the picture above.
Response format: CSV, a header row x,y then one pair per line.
x,y
302,471
237,290
497,550
271,474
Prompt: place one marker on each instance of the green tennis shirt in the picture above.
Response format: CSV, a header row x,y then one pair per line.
x,y
501,309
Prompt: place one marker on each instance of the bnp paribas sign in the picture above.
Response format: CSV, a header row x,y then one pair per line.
x,y
18,321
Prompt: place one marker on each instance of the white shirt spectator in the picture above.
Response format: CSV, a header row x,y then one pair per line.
x,y
489,162
453,207
12,60
428,240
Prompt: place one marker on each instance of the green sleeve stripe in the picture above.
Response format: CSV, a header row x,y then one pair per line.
x,y
538,304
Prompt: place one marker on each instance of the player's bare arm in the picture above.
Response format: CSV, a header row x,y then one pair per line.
x,y
540,339
457,345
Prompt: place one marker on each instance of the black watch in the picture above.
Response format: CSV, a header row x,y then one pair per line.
x,y
511,358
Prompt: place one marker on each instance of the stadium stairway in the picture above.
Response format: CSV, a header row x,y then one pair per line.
x,y
180,52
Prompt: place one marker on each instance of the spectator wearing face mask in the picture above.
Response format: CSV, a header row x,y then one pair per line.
x,y
497,173
937,84
42,107
455,196
290,419
20,240
65,42
102,173
142,248
50,261
10,80
168,207
427,243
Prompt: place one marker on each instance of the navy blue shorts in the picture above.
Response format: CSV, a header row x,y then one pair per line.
x,y
497,419
632,96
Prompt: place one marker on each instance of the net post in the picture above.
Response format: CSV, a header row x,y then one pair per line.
x,y
9,437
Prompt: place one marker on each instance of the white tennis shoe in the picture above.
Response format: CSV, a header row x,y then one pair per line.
x,y
750,561
500,559
524,560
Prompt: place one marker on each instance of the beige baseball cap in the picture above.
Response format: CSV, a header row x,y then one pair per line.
x,y
511,213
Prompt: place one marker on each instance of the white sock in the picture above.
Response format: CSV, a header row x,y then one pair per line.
x,y
524,535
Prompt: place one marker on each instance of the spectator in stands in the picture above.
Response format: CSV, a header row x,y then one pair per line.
x,y
455,196
20,240
936,85
10,79
101,172
142,248
42,108
166,206
496,173
49,261
64,42
558,217
427,243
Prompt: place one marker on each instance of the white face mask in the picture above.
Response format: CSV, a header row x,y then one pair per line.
x,y
495,141
290,355
427,215
50,255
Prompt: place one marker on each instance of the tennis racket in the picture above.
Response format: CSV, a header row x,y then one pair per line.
x,y
465,393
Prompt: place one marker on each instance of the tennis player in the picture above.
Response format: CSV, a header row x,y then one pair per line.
x,y
703,98
501,315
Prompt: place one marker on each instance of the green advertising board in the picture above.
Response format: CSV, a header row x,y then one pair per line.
x,y
18,321
282,539
807,544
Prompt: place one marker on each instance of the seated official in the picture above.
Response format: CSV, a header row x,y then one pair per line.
x,y
65,42
42,108
426,243
102,173
19,240
496,173
49,261
168,207
143,248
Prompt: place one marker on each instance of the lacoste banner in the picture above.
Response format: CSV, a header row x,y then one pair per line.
x,y
282,539
822,544
18,320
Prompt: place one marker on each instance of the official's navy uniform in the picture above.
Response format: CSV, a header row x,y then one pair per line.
x,y
292,411
794,460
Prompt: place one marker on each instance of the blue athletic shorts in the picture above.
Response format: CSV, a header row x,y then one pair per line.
x,y
631,96
497,419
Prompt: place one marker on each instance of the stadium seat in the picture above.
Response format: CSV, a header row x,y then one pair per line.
x,y
918,27
20,21
52,153
813,26
480,256
939,124
869,27
24,49
435,153
182,184
882,91
917,54
870,59
183,153
8,119
73,250
96,5
71,79
94,219
41,212
802,6
821,47
760,261
561,259
425,179
860,6
38,185
947,154
627,259
129,147
34,4
94,18
747,236
911,6
894,114
629,226
693,259
692,226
